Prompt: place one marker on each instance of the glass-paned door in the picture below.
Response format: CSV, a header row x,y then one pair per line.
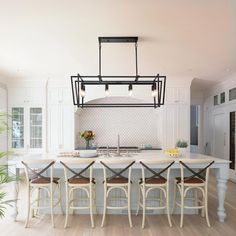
x,y
17,127
36,127
232,116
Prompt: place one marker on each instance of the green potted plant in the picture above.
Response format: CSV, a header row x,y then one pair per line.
x,y
182,145
4,176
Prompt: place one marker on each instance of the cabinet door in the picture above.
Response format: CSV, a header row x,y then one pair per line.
x,y
67,135
177,124
54,128
36,128
18,128
219,138
170,130
17,96
177,95
35,95
54,96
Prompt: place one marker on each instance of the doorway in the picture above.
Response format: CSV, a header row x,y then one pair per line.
x,y
219,140
194,128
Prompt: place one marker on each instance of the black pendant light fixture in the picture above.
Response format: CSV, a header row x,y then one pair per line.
x,y
157,82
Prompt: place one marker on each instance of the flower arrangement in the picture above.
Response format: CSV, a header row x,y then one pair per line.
x,y
87,135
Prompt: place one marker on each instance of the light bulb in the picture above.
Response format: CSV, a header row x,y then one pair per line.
x,y
154,90
82,93
106,90
82,90
130,90
107,93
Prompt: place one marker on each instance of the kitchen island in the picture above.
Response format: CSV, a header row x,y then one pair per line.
x,y
220,168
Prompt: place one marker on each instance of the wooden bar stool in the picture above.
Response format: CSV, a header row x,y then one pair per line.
x,y
117,181
197,181
79,181
152,182
34,171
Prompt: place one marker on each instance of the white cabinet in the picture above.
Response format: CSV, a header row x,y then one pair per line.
x,y
176,124
25,95
177,95
60,128
26,111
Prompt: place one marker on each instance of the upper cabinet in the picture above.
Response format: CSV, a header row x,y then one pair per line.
x,y
25,95
177,95
60,120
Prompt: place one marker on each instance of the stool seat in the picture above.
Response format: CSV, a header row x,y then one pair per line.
x,y
45,180
118,180
190,181
80,181
153,181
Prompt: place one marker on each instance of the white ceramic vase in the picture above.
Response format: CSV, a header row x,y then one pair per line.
x,y
182,151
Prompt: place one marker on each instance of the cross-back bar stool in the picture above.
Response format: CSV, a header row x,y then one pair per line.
x,y
35,171
117,181
153,181
78,180
197,181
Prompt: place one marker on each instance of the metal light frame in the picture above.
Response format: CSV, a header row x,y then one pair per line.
x,y
79,82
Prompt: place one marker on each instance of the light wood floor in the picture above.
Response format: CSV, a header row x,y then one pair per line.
x,y
118,225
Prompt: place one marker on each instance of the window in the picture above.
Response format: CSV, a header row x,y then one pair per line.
x,y
17,127
232,94
215,100
35,127
222,97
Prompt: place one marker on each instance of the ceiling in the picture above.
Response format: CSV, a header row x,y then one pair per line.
x,y
44,39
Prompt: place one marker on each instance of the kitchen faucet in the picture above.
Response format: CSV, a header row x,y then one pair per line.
x,y
118,145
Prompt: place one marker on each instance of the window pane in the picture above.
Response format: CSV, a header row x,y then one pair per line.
x,y
36,127
17,127
216,100
232,94
222,97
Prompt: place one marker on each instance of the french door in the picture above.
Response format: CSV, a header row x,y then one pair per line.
x,y
232,143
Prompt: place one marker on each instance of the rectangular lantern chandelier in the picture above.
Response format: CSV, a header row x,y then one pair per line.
x,y
79,83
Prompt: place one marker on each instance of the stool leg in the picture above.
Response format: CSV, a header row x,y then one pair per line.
x,y
206,208
129,211
144,206
182,207
38,196
91,204
138,201
28,206
67,206
94,200
174,199
168,207
52,205
196,199
59,186
161,199
104,204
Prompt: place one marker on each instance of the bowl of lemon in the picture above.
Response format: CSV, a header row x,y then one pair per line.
x,y
172,153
